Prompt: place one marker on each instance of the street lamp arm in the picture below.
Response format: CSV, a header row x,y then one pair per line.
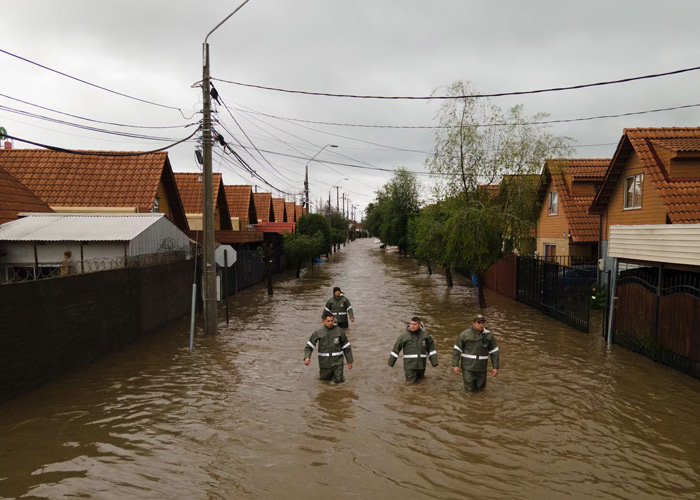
x,y
226,19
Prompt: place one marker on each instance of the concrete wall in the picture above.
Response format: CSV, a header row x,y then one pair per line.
x,y
53,325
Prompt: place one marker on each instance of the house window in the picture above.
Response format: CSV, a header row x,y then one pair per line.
x,y
156,204
633,191
553,203
550,251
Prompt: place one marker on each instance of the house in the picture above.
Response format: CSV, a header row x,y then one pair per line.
x,y
565,230
291,211
98,181
15,198
279,209
36,245
299,211
263,207
241,206
653,178
190,186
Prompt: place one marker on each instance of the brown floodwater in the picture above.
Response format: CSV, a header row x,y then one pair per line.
x,y
242,417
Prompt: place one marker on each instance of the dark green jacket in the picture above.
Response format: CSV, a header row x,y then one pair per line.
x,y
332,344
340,308
474,348
417,347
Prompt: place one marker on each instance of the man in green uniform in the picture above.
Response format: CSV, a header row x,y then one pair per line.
x,y
473,347
339,306
417,347
332,344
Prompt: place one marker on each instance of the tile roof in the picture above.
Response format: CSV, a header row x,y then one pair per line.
x,y
240,202
291,211
583,226
263,207
299,210
16,198
276,227
279,209
190,186
75,180
680,197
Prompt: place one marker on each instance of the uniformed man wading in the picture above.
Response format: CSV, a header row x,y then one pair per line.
x,y
332,345
473,348
417,347
339,306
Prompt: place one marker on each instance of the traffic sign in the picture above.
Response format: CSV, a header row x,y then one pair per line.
x,y
219,255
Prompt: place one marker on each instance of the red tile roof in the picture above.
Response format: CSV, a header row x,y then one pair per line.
x,y
299,210
680,197
190,186
263,207
95,179
16,198
279,209
276,227
241,205
291,211
582,226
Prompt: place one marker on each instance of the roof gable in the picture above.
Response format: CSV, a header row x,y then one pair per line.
x,y
291,211
680,197
263,207
241,204
279,209
16,198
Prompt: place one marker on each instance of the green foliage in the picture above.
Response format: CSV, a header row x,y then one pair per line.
x,y
339,227
338,236
599,297
299,248
397,203
427,234
310,225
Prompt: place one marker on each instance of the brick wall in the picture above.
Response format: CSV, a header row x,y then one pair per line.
x,y
53,325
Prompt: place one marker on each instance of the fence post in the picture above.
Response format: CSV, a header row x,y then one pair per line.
x,y
657,300
613,291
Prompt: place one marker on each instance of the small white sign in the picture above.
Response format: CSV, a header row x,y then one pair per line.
x,y
219,255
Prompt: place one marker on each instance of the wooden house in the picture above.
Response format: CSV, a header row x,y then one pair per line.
x,y
279,209
263,207
241,206
190,186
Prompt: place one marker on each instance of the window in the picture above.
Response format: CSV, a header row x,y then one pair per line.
x,y
633,191
553,203
156,204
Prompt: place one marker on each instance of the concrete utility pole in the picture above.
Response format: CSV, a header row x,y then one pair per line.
x,y
209,274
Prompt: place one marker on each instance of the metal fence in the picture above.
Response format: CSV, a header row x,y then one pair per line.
x,y
563,292
19,272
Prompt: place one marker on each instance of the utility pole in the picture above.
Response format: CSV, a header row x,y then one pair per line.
x,y
337,204
209,273
344,205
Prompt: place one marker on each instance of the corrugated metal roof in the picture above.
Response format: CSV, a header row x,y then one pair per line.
x,y
77,227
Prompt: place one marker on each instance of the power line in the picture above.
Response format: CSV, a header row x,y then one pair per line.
x,y
102,153
96,121
93,84
498,94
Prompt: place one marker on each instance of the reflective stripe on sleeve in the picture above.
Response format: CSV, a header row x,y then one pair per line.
x,y
394,354
460,350
310,344
346,346
493,350
432,352
349,307
328,310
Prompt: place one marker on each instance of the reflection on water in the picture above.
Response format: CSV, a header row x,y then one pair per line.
x,y
242,417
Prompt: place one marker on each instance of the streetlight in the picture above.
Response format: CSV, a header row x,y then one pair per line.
x,y
337,198
209,274
306,179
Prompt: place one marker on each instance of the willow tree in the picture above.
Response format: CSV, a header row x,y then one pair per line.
x,y
477,144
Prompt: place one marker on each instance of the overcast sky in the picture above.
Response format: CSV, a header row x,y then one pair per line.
x,y
153,50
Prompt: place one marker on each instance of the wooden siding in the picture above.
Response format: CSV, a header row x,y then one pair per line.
x,y
652,211
667,243
551,226
561,243
163,204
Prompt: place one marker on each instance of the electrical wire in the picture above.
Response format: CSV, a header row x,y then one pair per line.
x,y
97,121
497,94
102,153
93,84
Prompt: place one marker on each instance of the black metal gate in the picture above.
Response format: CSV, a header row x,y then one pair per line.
x,y
563,292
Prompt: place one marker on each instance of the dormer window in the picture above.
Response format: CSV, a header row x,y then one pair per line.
x,y
633,191
553,203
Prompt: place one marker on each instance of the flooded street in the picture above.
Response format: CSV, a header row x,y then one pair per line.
x,y
242,417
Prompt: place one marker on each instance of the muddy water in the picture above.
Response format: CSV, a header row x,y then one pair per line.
x,y
242,417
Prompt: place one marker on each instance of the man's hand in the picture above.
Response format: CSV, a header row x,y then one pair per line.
x,y
307,361
455,370
494,372
352,320
349,366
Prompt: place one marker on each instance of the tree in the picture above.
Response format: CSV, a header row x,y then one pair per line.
x,y
427,237
479,144
397,203
299,248
339,228
310,224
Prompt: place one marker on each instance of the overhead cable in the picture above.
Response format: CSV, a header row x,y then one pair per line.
x,y
445,97
93,84
102,153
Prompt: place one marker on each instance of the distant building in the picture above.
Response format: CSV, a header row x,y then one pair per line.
x,y
263,207
15,198
241,206
190,186
279,209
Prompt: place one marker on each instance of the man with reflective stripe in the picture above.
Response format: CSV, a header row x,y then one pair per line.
x,y
339,306
473,348
332,345
417,347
